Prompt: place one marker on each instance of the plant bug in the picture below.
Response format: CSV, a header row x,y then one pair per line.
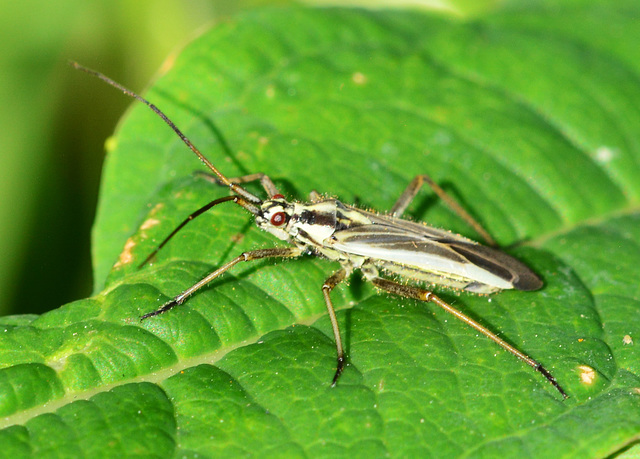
x,y
364,240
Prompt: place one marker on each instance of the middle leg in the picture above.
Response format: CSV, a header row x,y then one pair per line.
x,y
327,287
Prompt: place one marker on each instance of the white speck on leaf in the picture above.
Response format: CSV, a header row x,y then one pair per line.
x,y
604,154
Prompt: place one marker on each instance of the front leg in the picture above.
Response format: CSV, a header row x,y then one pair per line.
x,y
278,252
264,179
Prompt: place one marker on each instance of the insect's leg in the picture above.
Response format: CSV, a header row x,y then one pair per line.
x,y
425,295
314,196
265,181
412,190
328,285
278,252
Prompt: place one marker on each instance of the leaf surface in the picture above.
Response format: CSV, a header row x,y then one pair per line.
x,y
527,120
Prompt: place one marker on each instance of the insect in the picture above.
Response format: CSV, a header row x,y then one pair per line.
x,y
365,241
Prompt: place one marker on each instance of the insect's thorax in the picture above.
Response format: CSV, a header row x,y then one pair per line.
x,y
314,224
310,226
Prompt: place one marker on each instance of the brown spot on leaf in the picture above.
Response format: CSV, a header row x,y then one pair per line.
x,y
126,256
149,223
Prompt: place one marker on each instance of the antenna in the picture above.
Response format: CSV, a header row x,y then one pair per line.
x,y
235,188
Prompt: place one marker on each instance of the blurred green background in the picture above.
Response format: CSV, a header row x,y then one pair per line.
x,y
55,121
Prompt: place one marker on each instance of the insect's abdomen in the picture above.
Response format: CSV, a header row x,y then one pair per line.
x,y
447,280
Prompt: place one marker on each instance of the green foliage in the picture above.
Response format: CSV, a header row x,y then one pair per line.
x,y
526,119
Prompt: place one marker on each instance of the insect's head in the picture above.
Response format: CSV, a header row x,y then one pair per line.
x,y
274,216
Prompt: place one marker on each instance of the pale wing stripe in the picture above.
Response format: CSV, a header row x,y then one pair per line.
x,y
425,260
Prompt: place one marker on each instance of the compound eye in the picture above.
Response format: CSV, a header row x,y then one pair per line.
x,y
277,196
278,219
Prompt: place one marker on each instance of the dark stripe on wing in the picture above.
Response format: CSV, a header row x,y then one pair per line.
x,y
500,264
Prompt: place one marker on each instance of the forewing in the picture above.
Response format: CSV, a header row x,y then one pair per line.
x,y
434,250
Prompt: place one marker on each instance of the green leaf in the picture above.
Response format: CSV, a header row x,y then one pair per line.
x,y
527,119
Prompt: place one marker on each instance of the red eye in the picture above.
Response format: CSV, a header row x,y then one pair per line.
x,y
278,218
277,196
